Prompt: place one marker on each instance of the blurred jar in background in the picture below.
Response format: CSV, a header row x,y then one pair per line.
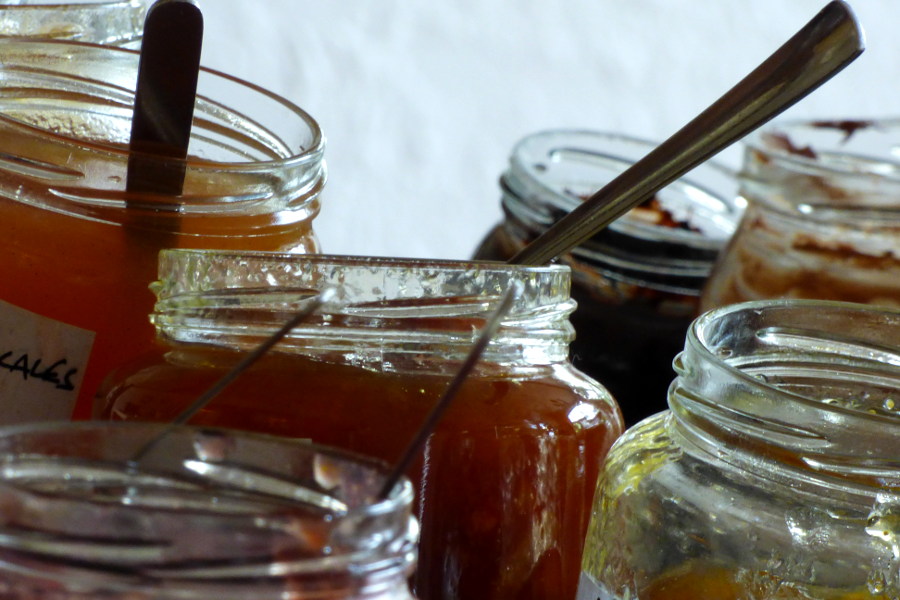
x,y
508,476
637,283
80,251
205,515
822,218
117,22
774,476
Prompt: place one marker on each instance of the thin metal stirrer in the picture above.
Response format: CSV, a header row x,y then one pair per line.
x,y
487,332
828,43
187,414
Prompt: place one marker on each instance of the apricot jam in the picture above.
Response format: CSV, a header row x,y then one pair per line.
x,y
507,478
79,252
712,583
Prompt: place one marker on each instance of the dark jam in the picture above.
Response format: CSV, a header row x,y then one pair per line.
x,y
507,479
627,334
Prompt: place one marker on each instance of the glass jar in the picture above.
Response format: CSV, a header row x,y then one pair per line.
x,y
206,515
774,475
118,22
80,251
507,478
638,282
822,219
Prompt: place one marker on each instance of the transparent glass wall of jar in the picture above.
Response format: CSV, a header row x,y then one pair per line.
x,y
205,515
638,282
79,251
823,216
773,476
506,480
117,22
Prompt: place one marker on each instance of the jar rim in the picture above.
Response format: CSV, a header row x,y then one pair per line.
x,y
381,305
211,507
697,341
311,152
402,495
88,4
606,154
776,142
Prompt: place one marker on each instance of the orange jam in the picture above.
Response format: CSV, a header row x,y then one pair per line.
x,y
717,583
504,483
80,251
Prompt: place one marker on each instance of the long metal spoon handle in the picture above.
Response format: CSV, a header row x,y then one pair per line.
x,y
314,304
484,338
828,43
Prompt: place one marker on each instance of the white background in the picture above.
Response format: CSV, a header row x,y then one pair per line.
x,y
422,100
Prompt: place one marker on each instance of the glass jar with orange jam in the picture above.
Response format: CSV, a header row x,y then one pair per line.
x,y
206,514
773,476
822,218
506,480
638,282
118,22
80,251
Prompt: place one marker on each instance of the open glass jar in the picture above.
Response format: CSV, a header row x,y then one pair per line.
x,y
205,515
822,218
774,476
638,282
80,251
117,22
507,477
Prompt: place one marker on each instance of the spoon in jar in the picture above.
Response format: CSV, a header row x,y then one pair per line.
x,y
828,43
313,304
168,72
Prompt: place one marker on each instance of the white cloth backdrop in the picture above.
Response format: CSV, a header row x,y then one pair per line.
x,y
421,101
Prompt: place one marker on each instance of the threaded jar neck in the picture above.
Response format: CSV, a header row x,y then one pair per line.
x,y
839,173
389,313
806,391
670,247
207,514
251,154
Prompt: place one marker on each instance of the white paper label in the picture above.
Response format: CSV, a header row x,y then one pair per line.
x,y
589,589
42,363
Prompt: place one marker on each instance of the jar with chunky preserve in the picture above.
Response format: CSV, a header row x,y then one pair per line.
x,y
774,475
638,282
118,22
506,479
80,251
205,514
822,218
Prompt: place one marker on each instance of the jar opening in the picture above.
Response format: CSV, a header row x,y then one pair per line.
x,y
65,119
383,305
554,171
815,380
206,507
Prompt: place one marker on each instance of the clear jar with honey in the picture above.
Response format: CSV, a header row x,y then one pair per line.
x,y
774,474
204,514
80,250
505,481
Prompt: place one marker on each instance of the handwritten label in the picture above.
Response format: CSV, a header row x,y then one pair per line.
x,y
42,362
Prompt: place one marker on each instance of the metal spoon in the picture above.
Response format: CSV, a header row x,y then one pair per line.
x,y
828,43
